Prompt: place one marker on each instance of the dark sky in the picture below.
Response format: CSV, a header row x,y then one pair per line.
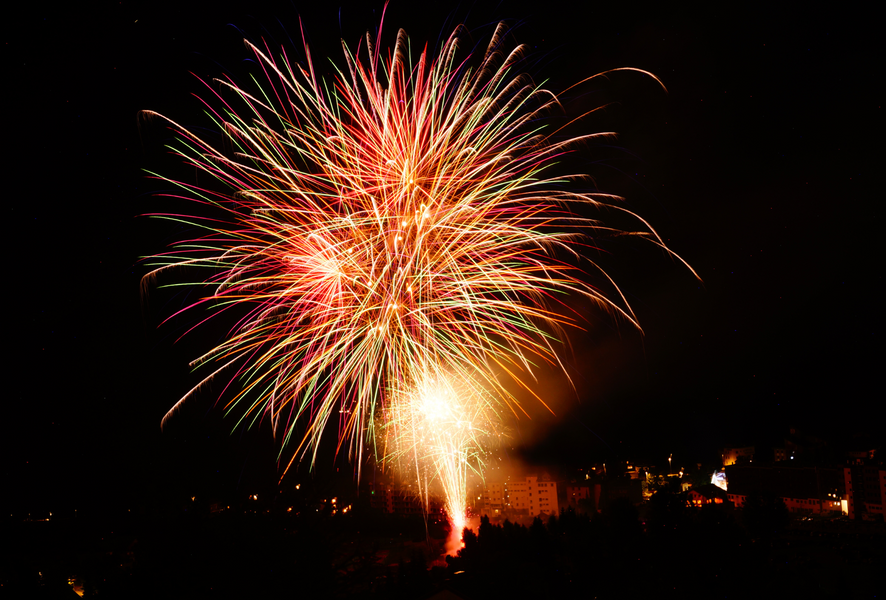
x,y
757,166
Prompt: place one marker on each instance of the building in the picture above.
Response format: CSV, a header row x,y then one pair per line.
x,y
576,493
527,496
799,445
865,490
494,500
533,497
805,489
732,456
706,494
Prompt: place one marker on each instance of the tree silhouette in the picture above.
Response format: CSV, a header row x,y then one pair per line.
x,y
765,515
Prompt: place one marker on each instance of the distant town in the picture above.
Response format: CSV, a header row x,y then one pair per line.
x,y
778,508
813,480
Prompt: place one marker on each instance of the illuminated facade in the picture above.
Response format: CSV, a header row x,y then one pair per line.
x,y
731,456
494,500
706,494
533,496
528,496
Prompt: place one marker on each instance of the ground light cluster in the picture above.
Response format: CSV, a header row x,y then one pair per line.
x,y
393,248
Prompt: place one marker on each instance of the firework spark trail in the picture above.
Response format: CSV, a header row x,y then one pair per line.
x,y
438,431
381,231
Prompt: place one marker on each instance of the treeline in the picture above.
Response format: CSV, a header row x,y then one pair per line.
x,y
674,551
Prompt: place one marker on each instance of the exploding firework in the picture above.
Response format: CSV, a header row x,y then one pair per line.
x,y
393,248
437,432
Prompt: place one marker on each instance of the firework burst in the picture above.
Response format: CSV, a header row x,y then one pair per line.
x,y
395,244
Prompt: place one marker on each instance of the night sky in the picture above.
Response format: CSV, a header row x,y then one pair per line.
x,y
758,167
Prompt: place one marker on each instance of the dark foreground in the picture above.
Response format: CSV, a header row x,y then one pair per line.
x,y
663,549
